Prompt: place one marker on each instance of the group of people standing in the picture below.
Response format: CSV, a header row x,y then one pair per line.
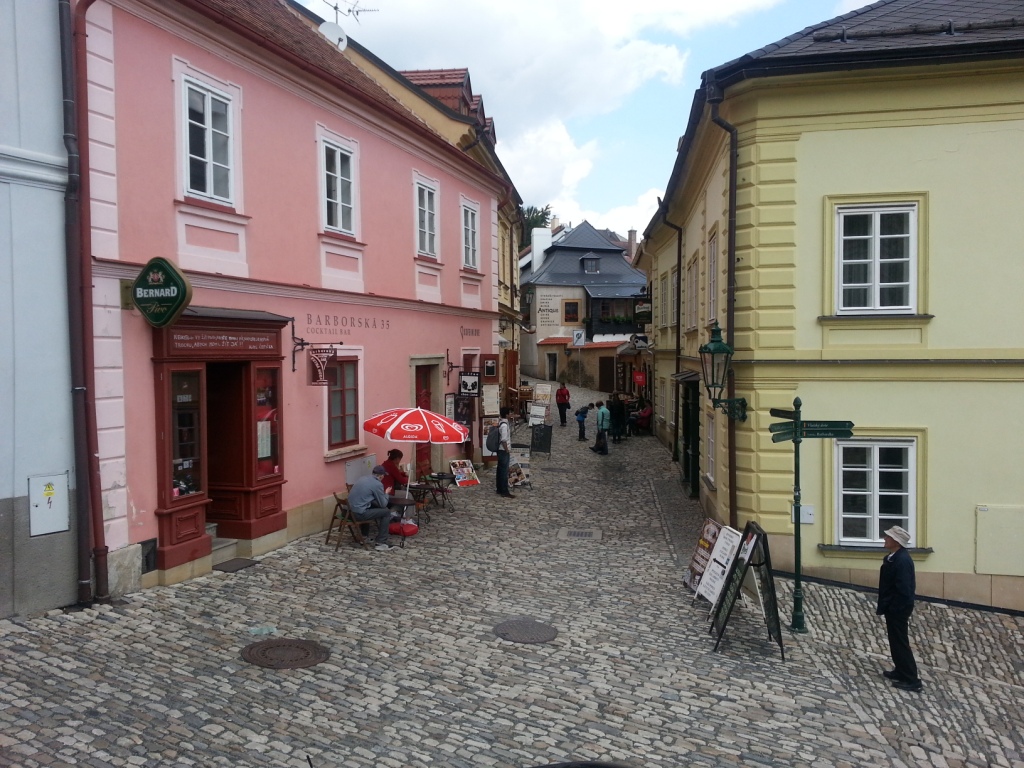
x,y
614,420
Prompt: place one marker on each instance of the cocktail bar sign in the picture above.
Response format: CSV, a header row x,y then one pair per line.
x,y
161,292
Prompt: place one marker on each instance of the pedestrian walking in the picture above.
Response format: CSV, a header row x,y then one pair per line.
x,y
562,401
604,420
896,590
504,453
581,420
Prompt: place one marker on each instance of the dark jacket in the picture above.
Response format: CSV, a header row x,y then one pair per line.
x,y
896,584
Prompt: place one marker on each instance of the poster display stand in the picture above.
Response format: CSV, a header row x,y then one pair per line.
x,y
754,555
702,553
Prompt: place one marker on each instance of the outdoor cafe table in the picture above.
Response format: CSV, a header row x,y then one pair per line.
x,y
402,504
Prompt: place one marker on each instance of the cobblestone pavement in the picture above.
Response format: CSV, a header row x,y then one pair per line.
x,y
417,676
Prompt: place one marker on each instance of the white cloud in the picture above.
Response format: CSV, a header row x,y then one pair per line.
x,y
541,65
622,218
845,6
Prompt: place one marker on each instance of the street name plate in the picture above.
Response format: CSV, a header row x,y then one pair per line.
x,y
780,413
780,437
840,433
782,426
828,425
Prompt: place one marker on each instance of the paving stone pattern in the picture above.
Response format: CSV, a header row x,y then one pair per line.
x,y
417,676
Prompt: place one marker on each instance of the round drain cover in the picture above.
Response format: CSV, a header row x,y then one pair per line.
x,y
525,631
283,653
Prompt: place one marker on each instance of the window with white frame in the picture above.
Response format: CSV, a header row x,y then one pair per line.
x,y
691,295
591,266
675,298
338,189
876,250
713,278
709,446
664,300
426,220
209,129
470,258
875,488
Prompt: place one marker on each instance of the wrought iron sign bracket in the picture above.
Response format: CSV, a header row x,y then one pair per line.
x,y
451,367
300,344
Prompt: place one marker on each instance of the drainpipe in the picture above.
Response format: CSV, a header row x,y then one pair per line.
x,y
73,263
715,96
80,296
679,328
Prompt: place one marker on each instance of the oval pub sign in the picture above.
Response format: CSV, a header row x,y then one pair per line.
x,y
161,292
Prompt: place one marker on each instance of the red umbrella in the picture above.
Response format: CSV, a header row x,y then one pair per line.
x,y
415,425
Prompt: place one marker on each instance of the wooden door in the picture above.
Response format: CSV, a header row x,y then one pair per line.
x,y
606,374
424,400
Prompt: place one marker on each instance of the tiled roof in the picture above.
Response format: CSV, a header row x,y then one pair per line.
x,y
901,26
555,340
273,25
585,237
424,77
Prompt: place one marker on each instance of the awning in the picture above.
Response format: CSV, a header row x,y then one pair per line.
x,y
219,313
686,376
614,291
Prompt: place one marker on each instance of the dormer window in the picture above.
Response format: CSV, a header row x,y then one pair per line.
x,y
591,265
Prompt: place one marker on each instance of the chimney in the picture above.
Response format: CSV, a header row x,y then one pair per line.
x,y
540,239
632,245
553,225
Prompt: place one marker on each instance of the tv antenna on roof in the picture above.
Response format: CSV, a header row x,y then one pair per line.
x,y
353,9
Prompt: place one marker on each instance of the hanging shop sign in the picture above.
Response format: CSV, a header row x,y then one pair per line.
x,y
161,292
640,378
319,357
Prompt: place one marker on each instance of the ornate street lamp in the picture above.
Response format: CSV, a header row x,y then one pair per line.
x,y
715,360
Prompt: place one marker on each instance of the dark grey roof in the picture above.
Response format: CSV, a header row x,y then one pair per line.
x,y
586,238
892,32
565,267
220,313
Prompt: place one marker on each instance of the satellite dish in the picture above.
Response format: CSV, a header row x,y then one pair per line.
x,y
335,34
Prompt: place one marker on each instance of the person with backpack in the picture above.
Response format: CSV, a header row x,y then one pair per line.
x,y
562,401
581,420
504,452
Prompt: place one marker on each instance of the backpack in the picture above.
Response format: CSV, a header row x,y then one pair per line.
x,y
581,414
493,442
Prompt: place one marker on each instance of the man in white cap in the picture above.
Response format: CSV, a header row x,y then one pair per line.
x,y
896,588
368,501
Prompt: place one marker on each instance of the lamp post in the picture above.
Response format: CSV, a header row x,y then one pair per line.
x,y
715,360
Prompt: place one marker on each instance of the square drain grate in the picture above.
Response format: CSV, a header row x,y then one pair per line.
x,y
579,534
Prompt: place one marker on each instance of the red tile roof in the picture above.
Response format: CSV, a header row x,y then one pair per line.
x,y
555,340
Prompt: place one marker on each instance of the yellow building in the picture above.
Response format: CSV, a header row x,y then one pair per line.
x,y
846,204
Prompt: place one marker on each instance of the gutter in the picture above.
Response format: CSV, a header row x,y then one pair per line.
x,y
679,329
715,96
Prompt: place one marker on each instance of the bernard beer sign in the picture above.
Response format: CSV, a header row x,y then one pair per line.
x,y
161,292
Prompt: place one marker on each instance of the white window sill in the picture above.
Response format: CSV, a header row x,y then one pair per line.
x,y
338,454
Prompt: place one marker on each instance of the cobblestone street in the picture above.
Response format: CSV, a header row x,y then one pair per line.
x,y
417,676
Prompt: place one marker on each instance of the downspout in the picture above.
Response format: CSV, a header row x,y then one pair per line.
x,y
679,329
715,97
73,268
82,293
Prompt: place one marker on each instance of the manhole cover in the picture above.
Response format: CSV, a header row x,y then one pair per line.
x,y
283,653
525,631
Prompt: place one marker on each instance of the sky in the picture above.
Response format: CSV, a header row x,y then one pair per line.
x,y
588,97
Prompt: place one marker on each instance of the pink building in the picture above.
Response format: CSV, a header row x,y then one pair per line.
x,y
304,204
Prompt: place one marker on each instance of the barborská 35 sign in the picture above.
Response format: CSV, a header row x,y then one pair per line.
x,y
161,292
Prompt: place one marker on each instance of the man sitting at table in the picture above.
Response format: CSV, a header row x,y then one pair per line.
x,y
368,501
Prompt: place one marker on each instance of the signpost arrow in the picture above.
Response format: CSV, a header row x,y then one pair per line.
x,y
780,413
781,426
828,424
839,433
781,437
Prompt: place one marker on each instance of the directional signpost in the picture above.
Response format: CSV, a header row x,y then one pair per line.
x,y
798,430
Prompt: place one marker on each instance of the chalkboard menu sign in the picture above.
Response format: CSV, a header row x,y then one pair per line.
x,y
754,555
540,442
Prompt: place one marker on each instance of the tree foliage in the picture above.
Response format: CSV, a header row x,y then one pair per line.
x,y
534,217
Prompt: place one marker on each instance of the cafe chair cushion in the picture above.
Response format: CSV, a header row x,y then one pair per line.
x,y
403,528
